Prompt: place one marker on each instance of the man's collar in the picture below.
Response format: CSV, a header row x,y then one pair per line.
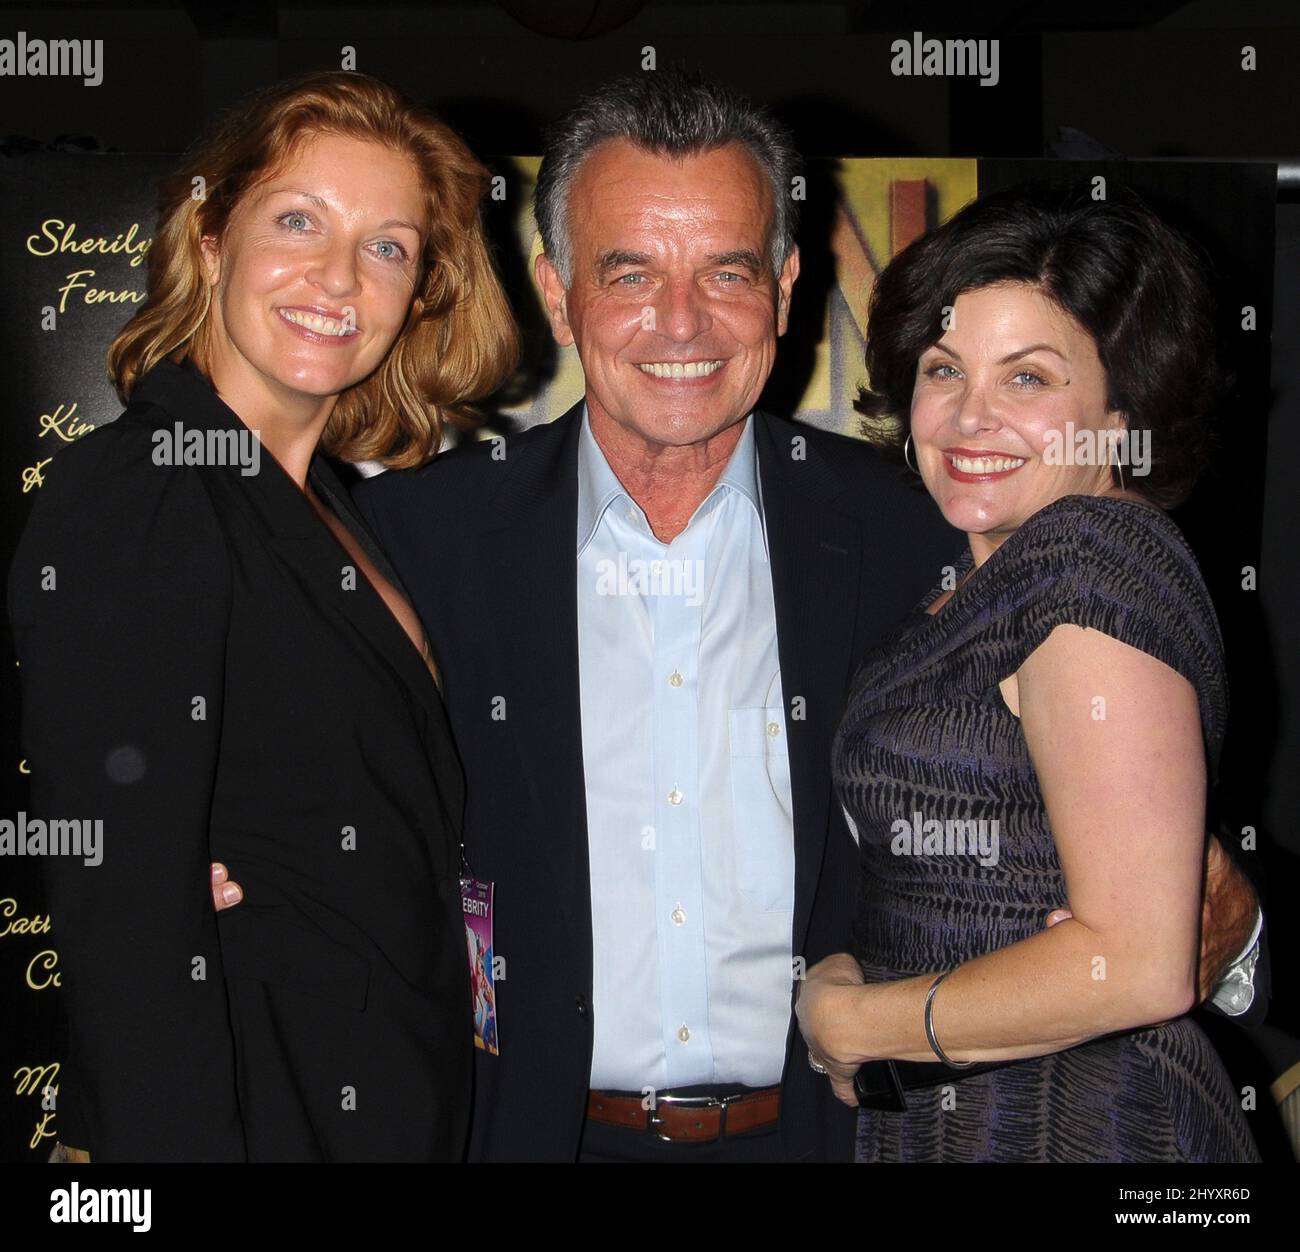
x,y
599,487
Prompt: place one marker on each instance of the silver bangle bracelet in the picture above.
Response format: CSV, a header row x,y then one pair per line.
x,y
929,1026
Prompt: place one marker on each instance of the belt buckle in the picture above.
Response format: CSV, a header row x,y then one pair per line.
x,y
700,1101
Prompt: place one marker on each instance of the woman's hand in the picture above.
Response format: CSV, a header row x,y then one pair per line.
x,y
829,1006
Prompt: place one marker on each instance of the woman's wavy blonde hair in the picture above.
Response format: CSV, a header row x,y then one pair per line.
x,y
459,342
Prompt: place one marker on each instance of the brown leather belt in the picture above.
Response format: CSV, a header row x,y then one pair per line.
x,y
687,1118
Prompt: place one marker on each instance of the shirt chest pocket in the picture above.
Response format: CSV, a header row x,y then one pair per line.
x,y
761,807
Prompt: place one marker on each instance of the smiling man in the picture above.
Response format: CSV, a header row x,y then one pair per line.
x,y
675,321
647,770
647,758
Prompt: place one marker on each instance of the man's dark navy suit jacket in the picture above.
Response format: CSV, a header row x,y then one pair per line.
x,y
485,546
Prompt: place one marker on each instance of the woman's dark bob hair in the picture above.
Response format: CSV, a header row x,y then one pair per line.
x,y
1136,286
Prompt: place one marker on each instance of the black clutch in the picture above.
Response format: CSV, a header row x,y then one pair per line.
x,y
884,1084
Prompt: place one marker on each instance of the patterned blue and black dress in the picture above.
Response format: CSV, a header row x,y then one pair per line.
x,y
927,735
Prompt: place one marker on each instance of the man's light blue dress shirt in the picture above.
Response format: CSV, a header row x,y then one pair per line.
x,y
689,824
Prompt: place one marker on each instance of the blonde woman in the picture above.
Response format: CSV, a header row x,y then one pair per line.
x,y
218,663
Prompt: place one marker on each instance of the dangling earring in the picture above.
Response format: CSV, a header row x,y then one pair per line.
x,y
907,443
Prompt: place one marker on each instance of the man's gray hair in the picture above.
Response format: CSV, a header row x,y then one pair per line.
x,y
672,113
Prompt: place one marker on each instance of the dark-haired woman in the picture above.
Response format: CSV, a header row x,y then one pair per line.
x,y
1039,734
217,662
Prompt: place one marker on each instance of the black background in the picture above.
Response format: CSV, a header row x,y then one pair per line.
x,y
1140,92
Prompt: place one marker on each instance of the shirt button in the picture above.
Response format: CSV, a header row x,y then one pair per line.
x,y
582,1006
674,796
773,729
684,1034
679,915
675,679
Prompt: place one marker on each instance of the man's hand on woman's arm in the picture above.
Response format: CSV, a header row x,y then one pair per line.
x,y
1229,910
225,893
